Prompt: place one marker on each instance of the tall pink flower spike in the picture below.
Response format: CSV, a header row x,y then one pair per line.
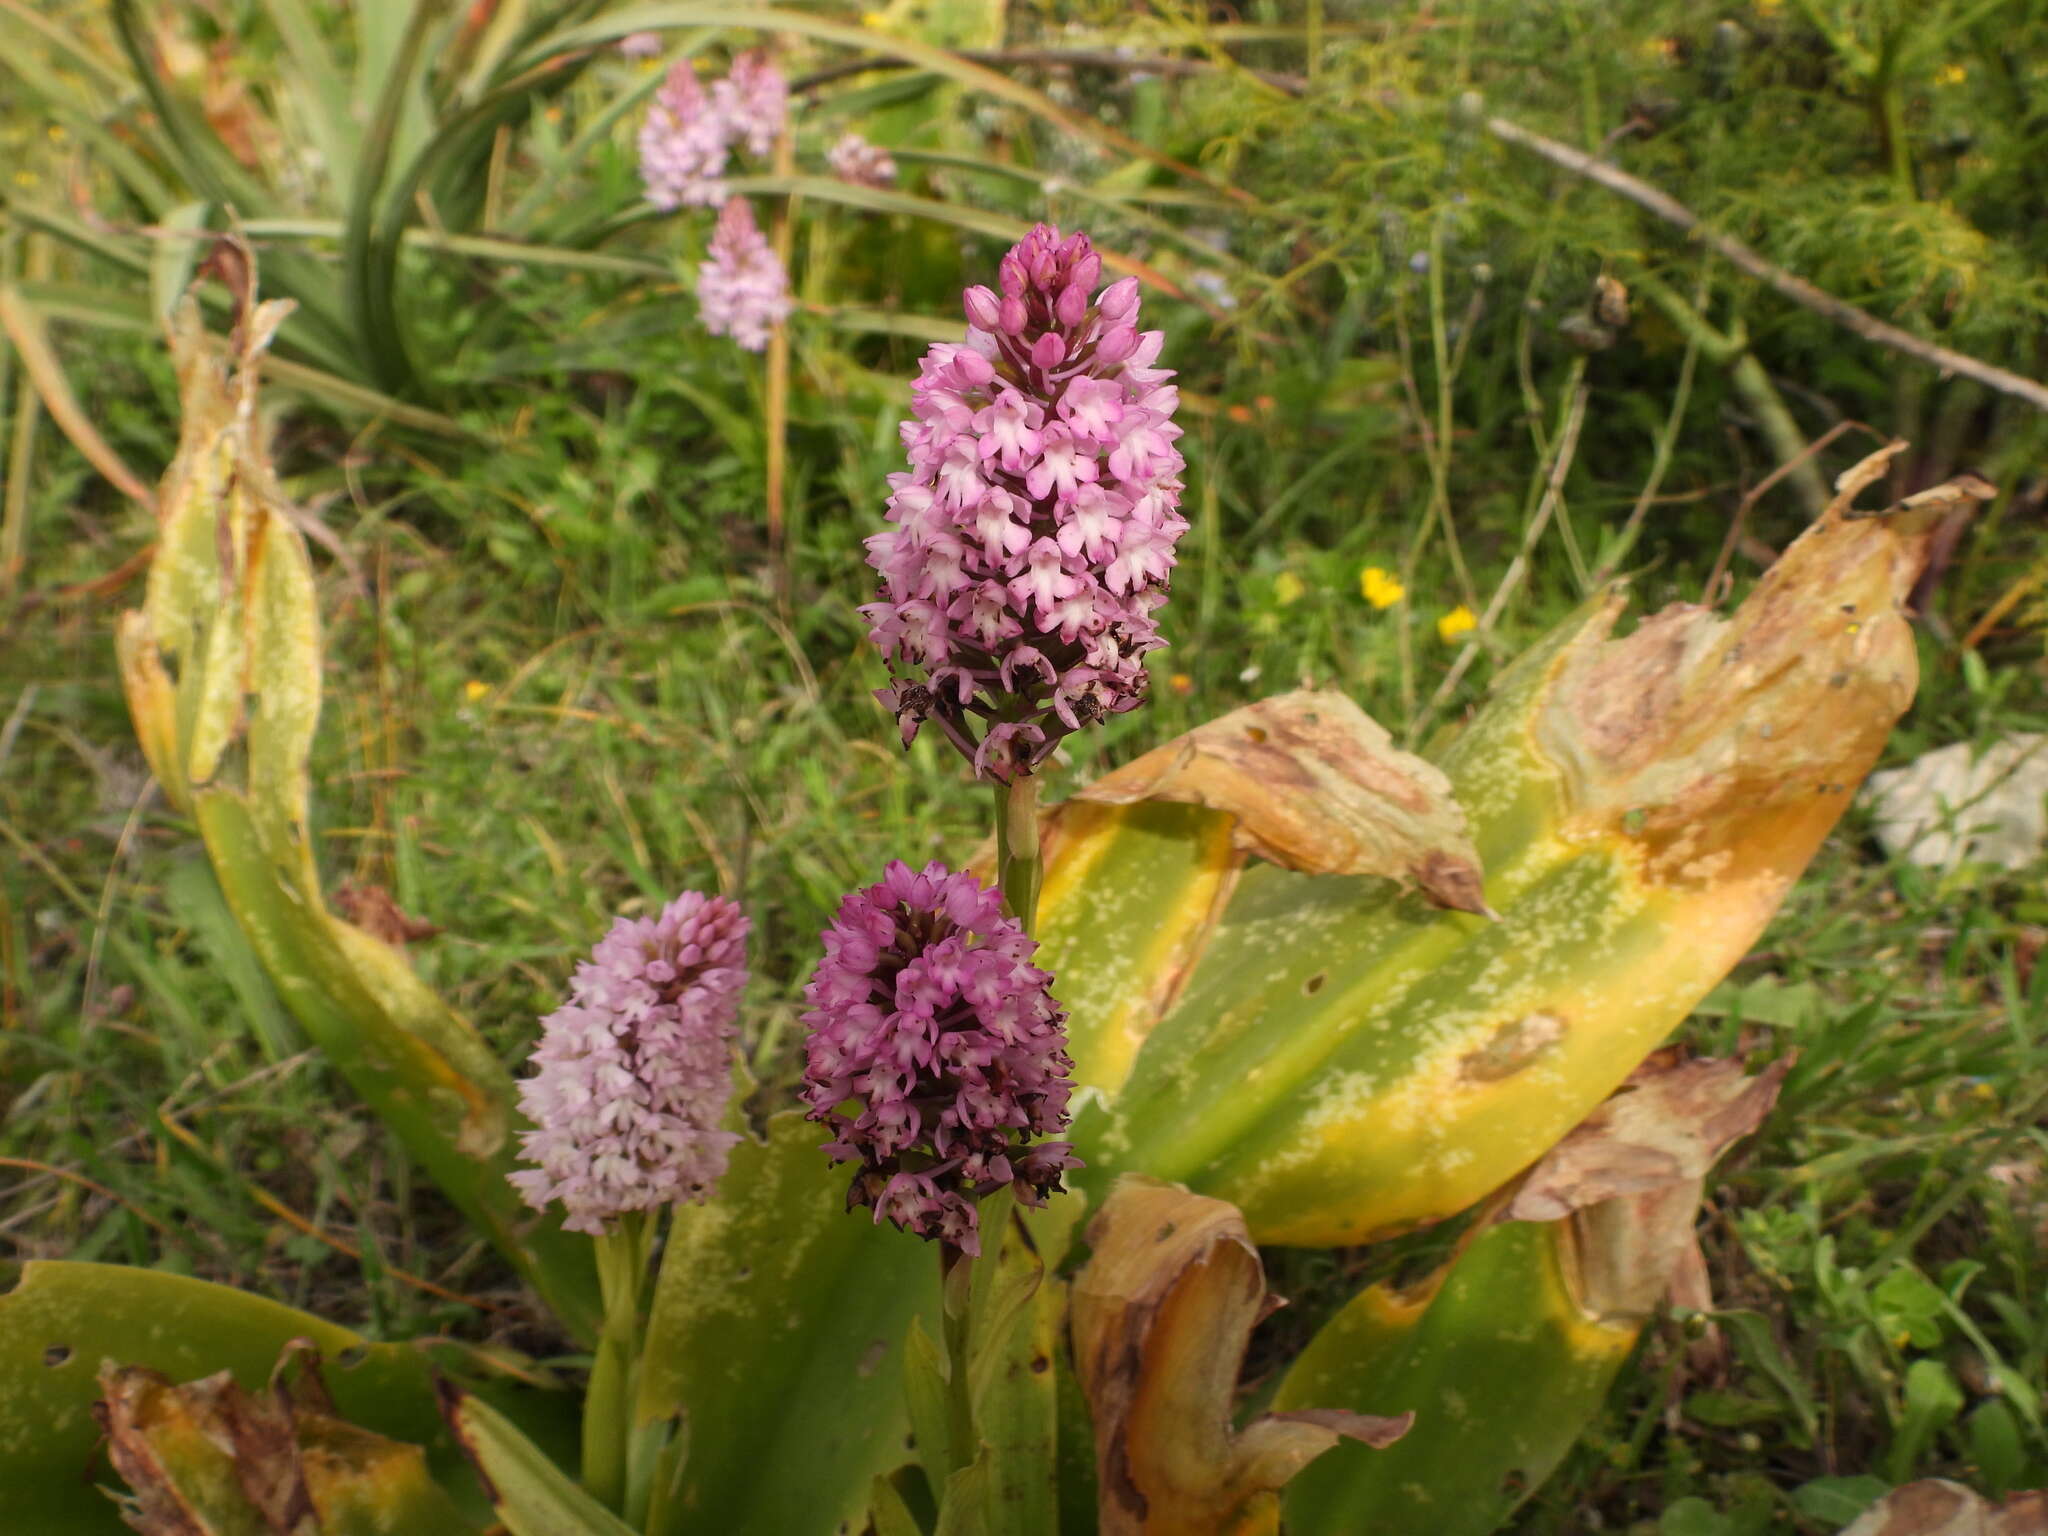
x,y
1031,540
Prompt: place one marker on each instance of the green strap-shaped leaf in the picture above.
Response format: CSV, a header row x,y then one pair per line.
x,y
1344,1061
1501,1368
1013,1350
532,1495
422,1068
777,1334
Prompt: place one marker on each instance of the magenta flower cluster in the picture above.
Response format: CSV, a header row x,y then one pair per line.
x,y
860,164
688,134
1031,540
635,1069
935,1052
742,290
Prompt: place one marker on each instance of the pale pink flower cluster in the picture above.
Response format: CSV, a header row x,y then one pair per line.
x,y
640,45
683,144
689,134
860,164
742,291
1031,540
753,100
635,1069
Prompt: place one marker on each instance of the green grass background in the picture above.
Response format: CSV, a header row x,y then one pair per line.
x,y
569,676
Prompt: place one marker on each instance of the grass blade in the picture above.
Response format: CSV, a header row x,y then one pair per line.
x,y
368,292
981,221
25,328
319,79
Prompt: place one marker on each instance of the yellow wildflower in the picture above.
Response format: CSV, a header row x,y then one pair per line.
x,y
1380,588
475,689
1951,74
1459,621
1287,588
1181,684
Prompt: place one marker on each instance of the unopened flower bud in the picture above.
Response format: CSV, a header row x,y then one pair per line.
x,y
1119,300
983,308
1117,345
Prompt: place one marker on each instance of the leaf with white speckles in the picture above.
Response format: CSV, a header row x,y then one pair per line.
x,y
777,1334
1339,1060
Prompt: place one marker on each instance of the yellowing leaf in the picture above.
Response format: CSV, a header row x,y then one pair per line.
x,y
231,605
1934,1507
211,1459
1314,784
1340,1063
1508,1351
1160,1317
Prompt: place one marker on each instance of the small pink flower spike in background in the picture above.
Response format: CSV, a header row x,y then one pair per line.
x,y
683,144
860,164
742,291
1031,540
753,102
635,1069
929,1017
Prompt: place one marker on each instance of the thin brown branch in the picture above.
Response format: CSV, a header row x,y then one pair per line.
x,y
24,327
1740,520
1063,58
1797,289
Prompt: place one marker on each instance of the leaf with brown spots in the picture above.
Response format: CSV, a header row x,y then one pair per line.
x,y
211,1459
1160,1317
1316,785
1936,1508
1703,730
1629,1179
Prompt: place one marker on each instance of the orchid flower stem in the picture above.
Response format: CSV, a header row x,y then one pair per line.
x,y
1019,867
608,1406
956,1289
